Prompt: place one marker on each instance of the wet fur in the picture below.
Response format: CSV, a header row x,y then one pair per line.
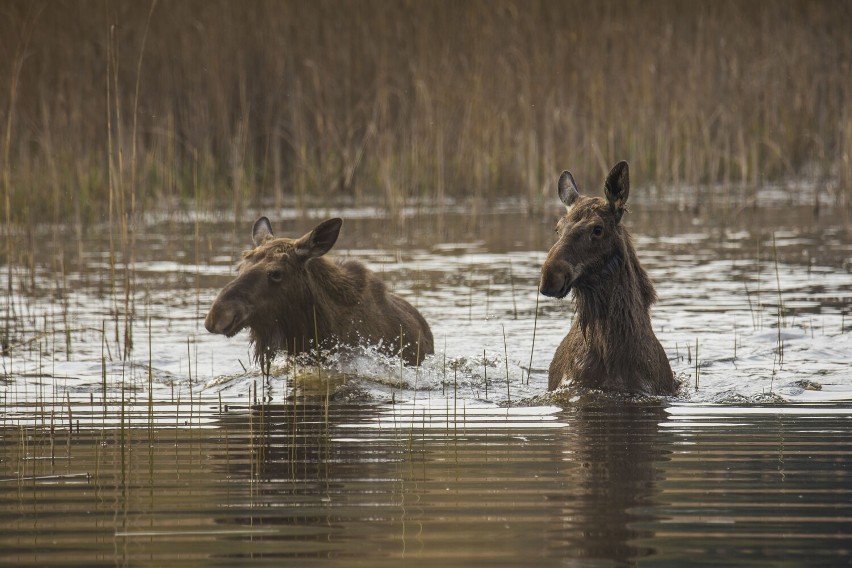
x,y
611,345
342,303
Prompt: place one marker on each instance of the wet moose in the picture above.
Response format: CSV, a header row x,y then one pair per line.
x,y
611,345
287,292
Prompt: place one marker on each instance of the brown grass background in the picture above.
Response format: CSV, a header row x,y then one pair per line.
x,y
125,106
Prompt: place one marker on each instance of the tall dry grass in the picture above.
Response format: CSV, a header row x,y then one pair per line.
x,y
224,102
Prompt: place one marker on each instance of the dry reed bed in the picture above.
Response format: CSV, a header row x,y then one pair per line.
x,y
126,105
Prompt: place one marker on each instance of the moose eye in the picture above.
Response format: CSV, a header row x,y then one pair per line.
x,y
597,230
275,275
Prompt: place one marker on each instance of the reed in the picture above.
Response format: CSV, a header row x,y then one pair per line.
x,y
485,373
444,367
401,360
103,371
735,342
506,362
780,325
151,386
416,374
697,365
512,283
224,104
750,308
535,327
455,400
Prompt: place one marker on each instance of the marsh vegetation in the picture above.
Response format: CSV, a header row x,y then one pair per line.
x,y
111,109
140,140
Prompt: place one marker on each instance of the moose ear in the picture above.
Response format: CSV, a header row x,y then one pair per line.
x,y
568,192
261,231
617,188
320,240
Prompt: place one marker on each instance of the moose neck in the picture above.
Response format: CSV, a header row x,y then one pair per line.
x,y
613,302
292,330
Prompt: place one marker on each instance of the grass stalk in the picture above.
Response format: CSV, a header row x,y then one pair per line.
x,y
697,365
750,307
506,362
444,366
319,368
512,284
485,373
70,418
416,373
455,400
103,371
535,327
21,50
150,382
780,304
735,341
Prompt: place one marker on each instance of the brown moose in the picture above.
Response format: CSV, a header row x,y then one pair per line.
x,y
611,345
289,294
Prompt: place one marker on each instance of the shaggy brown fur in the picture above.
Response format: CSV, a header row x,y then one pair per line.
x,y
288,293
611,345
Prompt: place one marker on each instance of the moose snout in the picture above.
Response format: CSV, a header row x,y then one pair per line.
x,y
214,320
555,279
224,319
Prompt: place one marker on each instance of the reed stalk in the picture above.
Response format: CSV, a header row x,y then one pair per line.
x,y
512,284
506,362
103,371
455,400
535,327
402,101
150,383
750,307
416,371
485,373
697,365
444,367
780,304
735,341
21,48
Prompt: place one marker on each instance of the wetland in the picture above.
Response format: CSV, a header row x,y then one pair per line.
x,y
130,435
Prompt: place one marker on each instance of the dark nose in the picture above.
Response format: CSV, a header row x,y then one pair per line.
x,y
221,318
554,275
210,321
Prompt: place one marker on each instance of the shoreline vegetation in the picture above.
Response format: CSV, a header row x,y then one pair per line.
x,y
118,108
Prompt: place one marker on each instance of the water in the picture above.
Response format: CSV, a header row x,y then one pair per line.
x,y
377,484
184,452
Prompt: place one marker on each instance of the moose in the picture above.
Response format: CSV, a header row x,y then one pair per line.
x,y
611,345
290,296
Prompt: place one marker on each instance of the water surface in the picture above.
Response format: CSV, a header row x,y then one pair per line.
x,y
131,436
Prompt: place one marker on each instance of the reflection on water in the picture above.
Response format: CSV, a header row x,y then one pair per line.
x,y
179,450
756,483
601,484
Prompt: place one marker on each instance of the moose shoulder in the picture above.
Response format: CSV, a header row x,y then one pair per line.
x,y
288,293
611,345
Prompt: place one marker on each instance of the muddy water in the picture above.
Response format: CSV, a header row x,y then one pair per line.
x,y
178,449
